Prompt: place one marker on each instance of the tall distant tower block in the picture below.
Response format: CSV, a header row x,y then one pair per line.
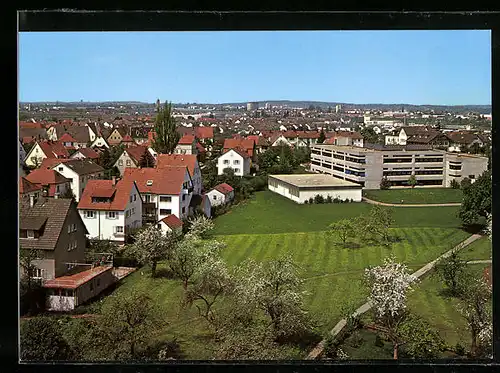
x,y
252,106
338,108
158,105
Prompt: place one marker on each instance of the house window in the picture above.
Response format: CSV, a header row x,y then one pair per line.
x,y
133,210
131,199
165,211
57,188
91,285
30,234
37,273
128,162
236,161
71,228
72,245
135,197
120,162
147,198
236,170
119,229
183,197
111,215
158,226
89,214
60,169
165,199
215,197
226,161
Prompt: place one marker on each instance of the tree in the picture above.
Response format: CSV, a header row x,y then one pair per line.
x,y
476,200
275,289
452,270
211,279
186,258
369,135
321,137
454,184
343,228
41,339
380,221
146,160
200,226
474,308
209,175
412,181
465,183
68,194
128,323
419,340
166,136
105,159
385,183
152,245
389,285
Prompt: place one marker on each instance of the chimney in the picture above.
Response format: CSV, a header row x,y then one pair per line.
x,y
32,200
113,180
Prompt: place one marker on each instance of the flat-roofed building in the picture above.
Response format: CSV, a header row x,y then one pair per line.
x,y
367,166
302,187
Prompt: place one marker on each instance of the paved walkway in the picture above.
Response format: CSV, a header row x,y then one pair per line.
x,y
409,205
316,352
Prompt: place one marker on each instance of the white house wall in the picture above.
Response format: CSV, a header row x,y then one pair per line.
x,y
343,194
216,198
134,220
35,156
243,165
103,228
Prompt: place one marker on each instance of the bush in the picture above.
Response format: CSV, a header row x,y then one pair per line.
x,y
385,184
356,340
460,349
311,200
329,199
379,342
32,301
336,200
318,198
455,184
306,201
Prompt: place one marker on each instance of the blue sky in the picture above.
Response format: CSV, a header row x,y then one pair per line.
x,y
413,67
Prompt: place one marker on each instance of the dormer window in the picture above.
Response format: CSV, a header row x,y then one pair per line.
x,y
149,182
30,234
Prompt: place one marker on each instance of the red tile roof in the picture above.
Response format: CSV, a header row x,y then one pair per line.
x,y
330,141
246,144
224,188
185,160
172,221
186,140
239,151
200,148
23,124
301,134
54,149
48,163
204,132
46,177
27,139
67,138
26,186
136,152
127,138
166,180
119,194
88,153
76,280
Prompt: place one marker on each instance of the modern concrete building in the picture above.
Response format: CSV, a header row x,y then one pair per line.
x,y
300,188
367,166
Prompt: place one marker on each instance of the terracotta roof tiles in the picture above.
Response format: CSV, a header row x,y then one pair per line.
x,y
165,180
119,195
172,221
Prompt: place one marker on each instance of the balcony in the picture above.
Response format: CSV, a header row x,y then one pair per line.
x,y
119,234
149,205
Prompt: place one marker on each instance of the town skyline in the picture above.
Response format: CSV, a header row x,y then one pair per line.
x,y
443,68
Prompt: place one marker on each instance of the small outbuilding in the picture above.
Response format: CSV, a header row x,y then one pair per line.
x,y
302,187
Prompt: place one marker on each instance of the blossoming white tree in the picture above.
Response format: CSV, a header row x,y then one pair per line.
x,y
200,226
390,284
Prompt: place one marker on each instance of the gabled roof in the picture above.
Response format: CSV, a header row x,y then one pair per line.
x,y
246,144
67,138
352,135
136,152
463,138
118,193
37,133
165,180
301,134
224,188
55,211
238,151
186,140
83,166
127,138
49,163
416,130
204,132
46,177
172,221
26,186
185,160
53,149
30,124
259,140
87,153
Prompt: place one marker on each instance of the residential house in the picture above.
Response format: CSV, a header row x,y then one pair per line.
x,y
205,135
463,140
221,194
186,145
53,184
200,203
22,156
81,135
110,209
128,141
45,149
139,134
67,141
261,144
164,191
29,135
99,143
301,138
247,145
131,157
28,191
345,138
52,227
423,135
237,159
279,140
185,160
85,153
116,136
170,223
79,171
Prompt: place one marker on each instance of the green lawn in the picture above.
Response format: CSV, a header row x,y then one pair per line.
x,y
267,212
415,196
478,250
